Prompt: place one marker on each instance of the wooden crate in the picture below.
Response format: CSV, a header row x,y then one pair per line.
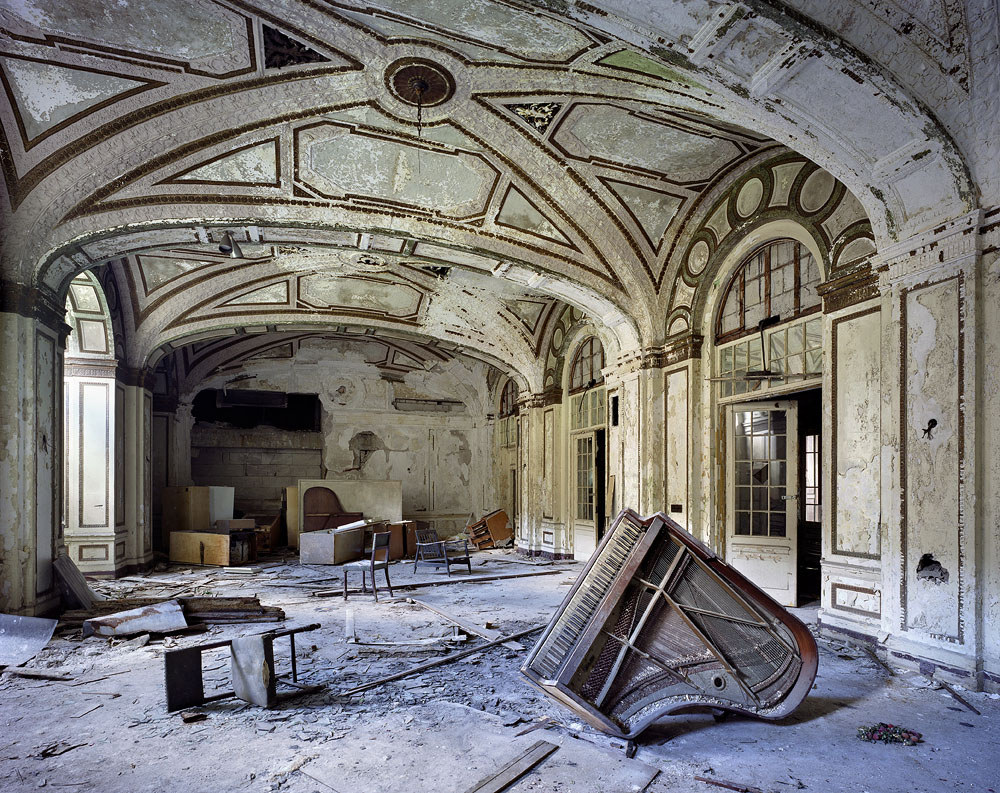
x,y
210,548
268,528
184,509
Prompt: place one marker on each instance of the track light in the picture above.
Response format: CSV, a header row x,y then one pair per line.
x,y
230,246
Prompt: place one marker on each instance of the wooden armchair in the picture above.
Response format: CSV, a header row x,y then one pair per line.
x,y
437,552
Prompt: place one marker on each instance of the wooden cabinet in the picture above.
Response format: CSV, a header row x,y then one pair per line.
x,y
490,531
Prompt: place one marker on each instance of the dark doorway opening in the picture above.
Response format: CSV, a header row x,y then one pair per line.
x,y
810,545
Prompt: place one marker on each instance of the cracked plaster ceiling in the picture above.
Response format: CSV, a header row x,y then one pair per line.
x,y
562,169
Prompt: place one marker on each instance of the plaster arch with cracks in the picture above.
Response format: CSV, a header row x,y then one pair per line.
x,y
886,145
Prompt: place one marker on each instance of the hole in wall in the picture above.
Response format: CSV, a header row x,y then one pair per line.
x,y
930,569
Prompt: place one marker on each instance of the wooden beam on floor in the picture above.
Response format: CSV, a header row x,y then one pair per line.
x,y
478,579
515,769
439,662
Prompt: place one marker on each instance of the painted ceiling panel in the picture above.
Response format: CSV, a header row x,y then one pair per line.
x,y
339,163
47,95
359,294
187,30
613,134
652,209
158,270
265,295
256,164
528,35
519,213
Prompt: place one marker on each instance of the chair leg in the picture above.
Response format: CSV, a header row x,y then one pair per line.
x,y
468,560
374,585
416,558
345,583
447,561
387,581
364,582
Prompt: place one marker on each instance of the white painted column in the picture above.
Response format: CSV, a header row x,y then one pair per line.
x,y
30,453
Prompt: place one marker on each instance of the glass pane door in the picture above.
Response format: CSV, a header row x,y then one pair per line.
x,y
762,489
584,509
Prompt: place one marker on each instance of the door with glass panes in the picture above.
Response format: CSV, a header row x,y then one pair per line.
x,y
584,508
762,493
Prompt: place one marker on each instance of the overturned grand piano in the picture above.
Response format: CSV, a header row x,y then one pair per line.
x,y
658,624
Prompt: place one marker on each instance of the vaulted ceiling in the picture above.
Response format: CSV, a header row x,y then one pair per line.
x,y
555,155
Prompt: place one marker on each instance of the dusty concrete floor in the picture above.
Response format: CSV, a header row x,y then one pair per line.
x,y
441,731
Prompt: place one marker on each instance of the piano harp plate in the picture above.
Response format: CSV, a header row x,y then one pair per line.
x,y
658,624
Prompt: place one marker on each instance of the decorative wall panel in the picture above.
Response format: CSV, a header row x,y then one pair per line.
x,y
855,451
932,457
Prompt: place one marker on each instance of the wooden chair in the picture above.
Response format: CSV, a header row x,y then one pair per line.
x,y
437,552
380,546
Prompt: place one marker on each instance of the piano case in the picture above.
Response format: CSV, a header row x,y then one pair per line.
x,y
658,624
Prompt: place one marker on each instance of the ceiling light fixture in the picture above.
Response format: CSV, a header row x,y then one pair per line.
x,y
421,83
230,246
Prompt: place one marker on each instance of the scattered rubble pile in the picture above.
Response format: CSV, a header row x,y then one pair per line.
x,y
418,692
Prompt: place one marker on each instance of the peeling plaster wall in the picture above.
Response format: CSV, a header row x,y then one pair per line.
x,y
852,477
933,516
989,417
30,458
677,431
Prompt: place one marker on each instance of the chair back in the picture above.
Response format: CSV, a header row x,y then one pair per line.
x,y
426,535
380,542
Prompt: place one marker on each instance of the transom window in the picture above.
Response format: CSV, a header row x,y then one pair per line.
x,y
778,279
508,399
587,365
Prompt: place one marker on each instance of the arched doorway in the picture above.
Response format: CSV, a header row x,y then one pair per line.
x,y
94,418
768,360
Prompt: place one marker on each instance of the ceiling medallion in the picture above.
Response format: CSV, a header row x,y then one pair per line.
x,y
419,82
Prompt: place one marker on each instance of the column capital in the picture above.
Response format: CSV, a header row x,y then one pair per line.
x,y
950,243
550,396
682,347
33,303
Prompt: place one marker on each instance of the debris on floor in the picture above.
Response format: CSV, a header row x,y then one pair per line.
x,y
166,617
425,717
889,733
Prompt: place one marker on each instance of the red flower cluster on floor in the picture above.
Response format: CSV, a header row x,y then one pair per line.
x,y
889,733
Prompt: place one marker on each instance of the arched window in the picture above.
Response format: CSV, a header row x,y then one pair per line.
x,y
508,399
587,365
778,279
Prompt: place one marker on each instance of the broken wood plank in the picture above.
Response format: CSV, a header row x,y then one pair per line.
x,y
212,610
515,769
439,662
874,656
468,627
725,783
958,698
37,674
74,584
544,723
476,579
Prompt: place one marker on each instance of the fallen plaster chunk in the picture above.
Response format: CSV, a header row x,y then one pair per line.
x,y
164,617
21,638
